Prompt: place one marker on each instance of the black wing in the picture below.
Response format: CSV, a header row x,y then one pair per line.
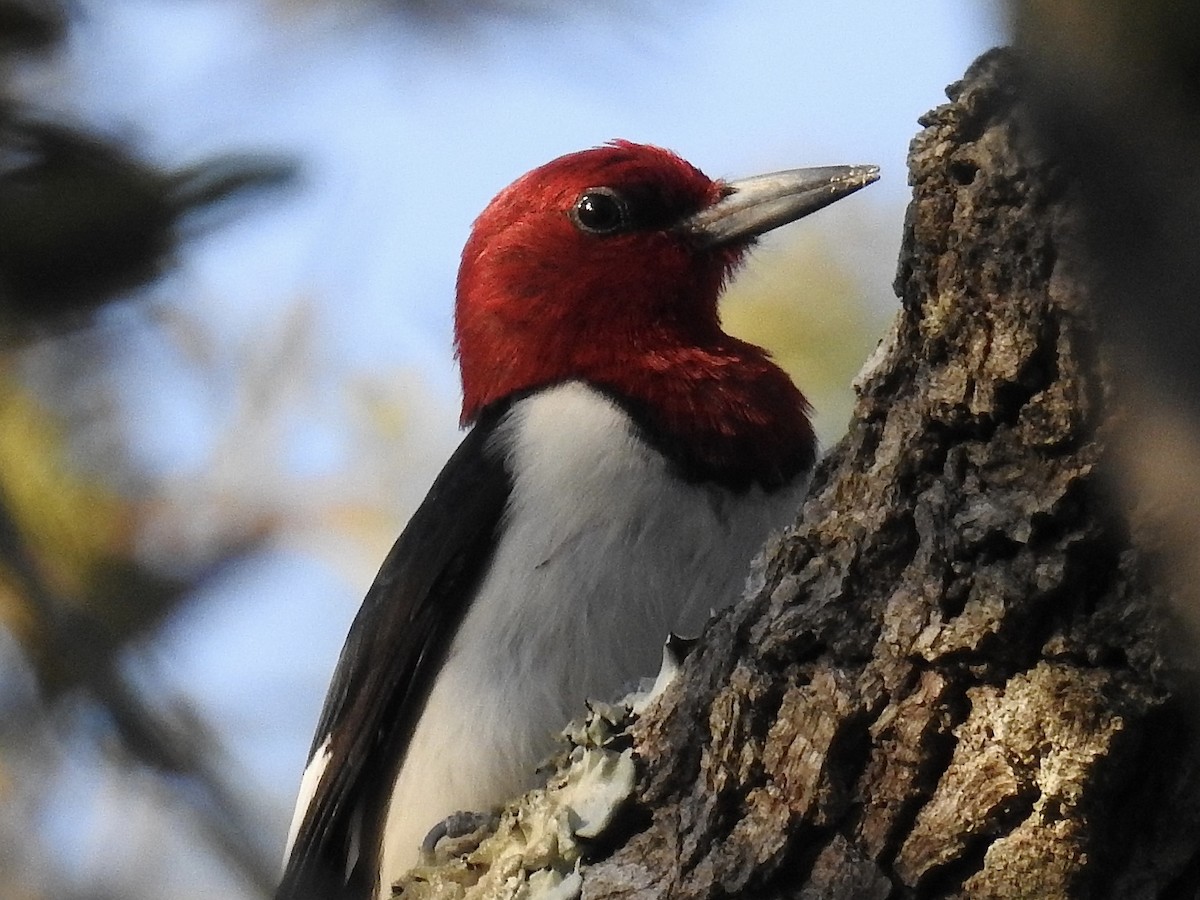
x,y
392,653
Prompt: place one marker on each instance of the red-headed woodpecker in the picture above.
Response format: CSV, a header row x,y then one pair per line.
x,y
626,460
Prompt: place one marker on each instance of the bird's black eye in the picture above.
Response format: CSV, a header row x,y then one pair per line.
x,y
600,211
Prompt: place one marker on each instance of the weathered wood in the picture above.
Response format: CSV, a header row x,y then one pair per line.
x,y
954,680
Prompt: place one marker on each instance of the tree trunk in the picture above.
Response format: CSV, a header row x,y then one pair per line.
x,y
954,679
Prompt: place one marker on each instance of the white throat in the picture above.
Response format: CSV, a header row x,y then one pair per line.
x,y
603,551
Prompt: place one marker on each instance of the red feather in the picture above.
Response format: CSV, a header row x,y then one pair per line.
x,y
541,301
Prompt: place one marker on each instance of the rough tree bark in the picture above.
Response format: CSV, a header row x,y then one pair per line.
x,y
956,678
954,681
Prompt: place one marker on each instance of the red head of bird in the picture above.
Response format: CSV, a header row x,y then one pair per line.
x,y
606,266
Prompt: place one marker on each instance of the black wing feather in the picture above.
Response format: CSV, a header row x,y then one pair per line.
x,y
391,655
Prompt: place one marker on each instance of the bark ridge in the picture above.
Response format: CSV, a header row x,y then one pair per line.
x,y
954,679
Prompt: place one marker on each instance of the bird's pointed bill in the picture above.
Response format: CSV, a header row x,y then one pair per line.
x,y
754,206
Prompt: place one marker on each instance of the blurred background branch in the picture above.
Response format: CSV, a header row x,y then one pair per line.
x,y
75,645
26,25
228,235
83,222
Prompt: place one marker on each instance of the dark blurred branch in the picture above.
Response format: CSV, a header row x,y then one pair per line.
x,y
83,221
30,25
217,182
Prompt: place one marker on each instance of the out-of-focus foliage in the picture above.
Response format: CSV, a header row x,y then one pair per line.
x,y
82,220
801,302
30,24
71,528
101,559
74,594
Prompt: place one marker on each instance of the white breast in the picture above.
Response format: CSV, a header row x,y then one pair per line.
x,y
604,550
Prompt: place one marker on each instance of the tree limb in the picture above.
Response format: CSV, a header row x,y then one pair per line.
x,y
954,680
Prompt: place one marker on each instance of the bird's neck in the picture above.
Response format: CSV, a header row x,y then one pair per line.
x,y
723,413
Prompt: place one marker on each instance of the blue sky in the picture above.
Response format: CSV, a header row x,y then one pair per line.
x,y
403,136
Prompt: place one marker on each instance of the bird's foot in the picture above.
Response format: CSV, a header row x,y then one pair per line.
x,y
458,833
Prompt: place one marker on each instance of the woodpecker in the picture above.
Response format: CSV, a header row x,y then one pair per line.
x,y
626,459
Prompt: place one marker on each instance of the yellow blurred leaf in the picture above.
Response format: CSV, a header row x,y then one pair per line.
x,y
800,302
69,522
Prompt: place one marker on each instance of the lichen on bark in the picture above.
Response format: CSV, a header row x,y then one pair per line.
x,y
955,680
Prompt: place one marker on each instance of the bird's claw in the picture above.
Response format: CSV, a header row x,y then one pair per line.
x,y
458,825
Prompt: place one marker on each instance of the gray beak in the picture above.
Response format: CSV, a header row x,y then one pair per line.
x,y
755,205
